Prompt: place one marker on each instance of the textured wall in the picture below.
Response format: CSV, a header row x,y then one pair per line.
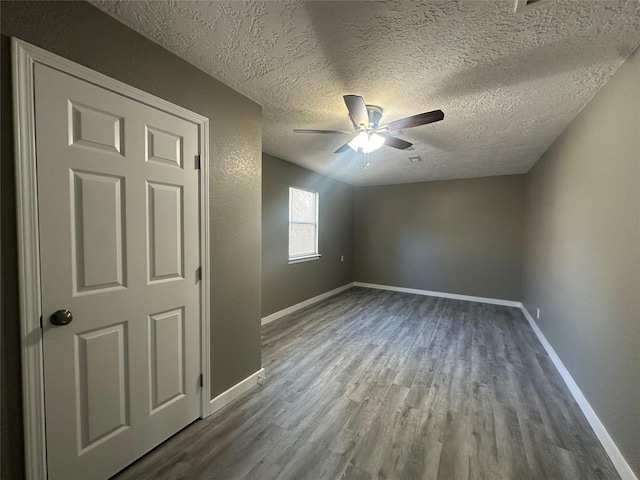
x,y
10,400
455,236
582,253
284,285
88,36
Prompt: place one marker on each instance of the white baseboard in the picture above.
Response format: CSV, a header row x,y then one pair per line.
x,y
228,396
623,468
455,296
306,303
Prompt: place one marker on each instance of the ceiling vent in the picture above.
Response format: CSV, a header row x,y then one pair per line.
x,y
524,5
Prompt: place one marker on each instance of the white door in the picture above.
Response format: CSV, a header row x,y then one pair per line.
x,y
119,238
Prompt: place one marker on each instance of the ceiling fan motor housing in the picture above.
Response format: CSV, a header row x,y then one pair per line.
x,y
375,114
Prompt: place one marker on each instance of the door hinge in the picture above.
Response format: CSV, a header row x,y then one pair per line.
x,y
198,274
197,162
201,380
41,326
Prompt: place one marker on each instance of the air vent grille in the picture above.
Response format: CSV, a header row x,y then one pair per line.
x,y
523,5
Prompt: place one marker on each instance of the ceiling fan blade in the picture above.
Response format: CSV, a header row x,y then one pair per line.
x,y
357,110
414,120
343,148
396,143
333,132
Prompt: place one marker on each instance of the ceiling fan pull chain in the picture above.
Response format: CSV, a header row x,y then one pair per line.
x,y
366,161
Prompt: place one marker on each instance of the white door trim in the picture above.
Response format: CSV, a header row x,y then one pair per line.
x,y
25,56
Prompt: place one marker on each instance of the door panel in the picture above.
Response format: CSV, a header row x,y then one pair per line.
x,y
166,352
165,231
102,387
164,147
97,238
95,128
118,207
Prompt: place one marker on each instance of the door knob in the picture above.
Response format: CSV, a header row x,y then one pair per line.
x,y
61,317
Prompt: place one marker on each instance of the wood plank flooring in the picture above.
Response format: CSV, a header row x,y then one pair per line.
x,y
383,385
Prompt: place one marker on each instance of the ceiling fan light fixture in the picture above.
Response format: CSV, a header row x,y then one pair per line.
x,y
367,142
374,142
358,141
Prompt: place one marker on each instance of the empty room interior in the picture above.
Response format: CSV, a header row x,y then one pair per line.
x,y
320,240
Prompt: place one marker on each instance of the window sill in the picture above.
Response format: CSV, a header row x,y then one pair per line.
x,y
308,258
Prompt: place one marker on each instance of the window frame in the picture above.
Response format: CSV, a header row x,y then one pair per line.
x,y
305,257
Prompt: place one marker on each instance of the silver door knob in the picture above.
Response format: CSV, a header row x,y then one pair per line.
x,y
61,317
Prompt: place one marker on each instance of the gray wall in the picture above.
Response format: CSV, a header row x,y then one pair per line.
x,y
582,253
454,236
284,285
82,33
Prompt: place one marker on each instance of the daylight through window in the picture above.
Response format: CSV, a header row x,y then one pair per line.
x,y
303,224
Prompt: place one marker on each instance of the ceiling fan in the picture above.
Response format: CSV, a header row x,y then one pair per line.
x,y
368,134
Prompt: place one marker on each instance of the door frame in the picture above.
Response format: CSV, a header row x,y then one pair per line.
x,y
24,58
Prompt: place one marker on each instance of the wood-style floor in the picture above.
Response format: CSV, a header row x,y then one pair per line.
x,y
382,385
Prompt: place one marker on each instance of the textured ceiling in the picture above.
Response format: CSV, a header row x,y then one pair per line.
x,y
508,83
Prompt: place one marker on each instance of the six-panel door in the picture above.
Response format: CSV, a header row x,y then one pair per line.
x,y
118,208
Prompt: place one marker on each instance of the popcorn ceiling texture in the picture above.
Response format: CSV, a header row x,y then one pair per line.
x,y
508,83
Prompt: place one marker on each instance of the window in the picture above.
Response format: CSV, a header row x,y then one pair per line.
x,y
303,225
